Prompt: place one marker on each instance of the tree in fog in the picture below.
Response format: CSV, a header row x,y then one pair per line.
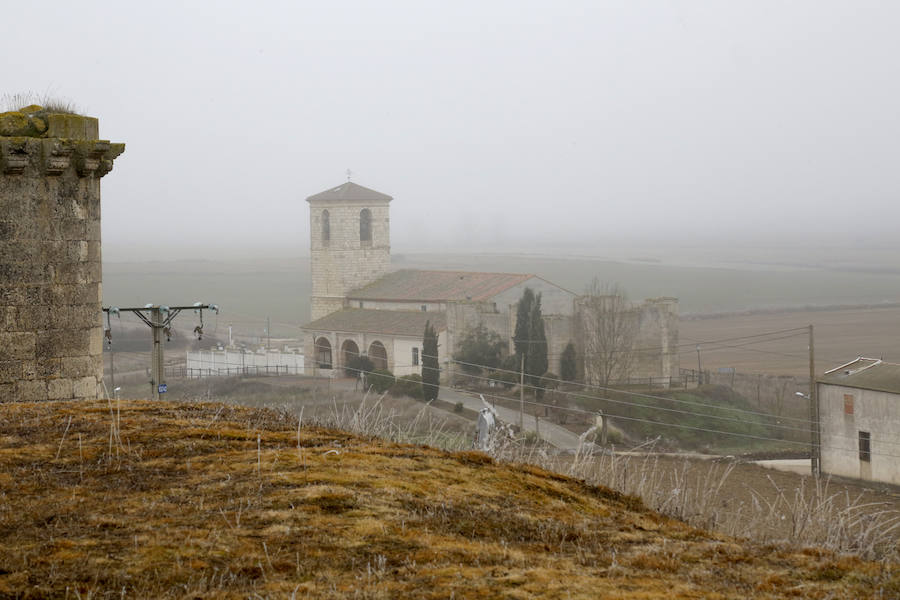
x,y
530,339
568,368
536,362
608,327
431,369
479,348
523,324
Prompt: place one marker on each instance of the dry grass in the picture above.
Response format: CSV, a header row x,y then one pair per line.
x,y
210,500
745,501
50,102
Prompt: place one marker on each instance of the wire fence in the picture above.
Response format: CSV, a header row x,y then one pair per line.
x,y
236,371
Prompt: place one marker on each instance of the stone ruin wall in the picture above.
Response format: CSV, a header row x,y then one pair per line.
x,y
656,342
51,328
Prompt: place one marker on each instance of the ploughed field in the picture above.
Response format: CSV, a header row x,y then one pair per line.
x,y
210,500
841,334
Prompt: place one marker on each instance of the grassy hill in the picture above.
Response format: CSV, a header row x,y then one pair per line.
x,y
211,500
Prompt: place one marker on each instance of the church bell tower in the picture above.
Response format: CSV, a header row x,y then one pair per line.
x,y
349,243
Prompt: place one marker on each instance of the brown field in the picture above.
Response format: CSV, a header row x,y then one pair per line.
x,y
210,500
840,336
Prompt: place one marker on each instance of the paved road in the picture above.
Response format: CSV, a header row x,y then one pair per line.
x,y
551,433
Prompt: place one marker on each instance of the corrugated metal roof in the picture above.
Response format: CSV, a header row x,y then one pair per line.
x,y
391,322
349,192
866,374
411,285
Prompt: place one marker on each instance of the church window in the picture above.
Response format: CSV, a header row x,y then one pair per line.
x,y
326,227
415,357
365,225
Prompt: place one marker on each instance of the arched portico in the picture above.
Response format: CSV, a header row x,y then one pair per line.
x,y
323,353
349,351
378,355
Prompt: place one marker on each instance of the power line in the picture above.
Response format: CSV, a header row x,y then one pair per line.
x,y
675,425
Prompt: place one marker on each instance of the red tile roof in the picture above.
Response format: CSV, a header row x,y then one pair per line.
x,y
392,322
349,192
411,285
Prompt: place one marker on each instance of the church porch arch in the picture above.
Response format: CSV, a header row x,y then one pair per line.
x,y
323,353
378,355
349,351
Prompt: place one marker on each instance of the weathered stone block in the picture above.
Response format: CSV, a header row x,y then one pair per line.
x,y
31,391
76,366
34,318
29,369
60,389
64,342
17,345
96,341
86,387
7,392
50,368
93,251
9,318
72,126
10,371
74,229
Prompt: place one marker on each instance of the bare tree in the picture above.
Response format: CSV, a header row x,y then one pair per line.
x,y
608,326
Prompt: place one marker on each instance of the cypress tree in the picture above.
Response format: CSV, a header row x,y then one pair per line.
x,y
523,325
536,360
431,369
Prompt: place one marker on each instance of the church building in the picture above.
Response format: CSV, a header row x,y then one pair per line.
x,y
359,306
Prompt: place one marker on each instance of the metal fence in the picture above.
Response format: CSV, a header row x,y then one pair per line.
x,y
250,370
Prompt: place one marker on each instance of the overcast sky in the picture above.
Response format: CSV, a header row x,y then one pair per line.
x,y
491,123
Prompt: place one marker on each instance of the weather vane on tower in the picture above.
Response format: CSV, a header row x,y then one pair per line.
x,y
349,174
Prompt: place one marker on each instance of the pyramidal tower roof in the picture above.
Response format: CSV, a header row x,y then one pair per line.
x,y
349,192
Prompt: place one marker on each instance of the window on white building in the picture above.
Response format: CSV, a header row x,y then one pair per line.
x,y
865,446
415,357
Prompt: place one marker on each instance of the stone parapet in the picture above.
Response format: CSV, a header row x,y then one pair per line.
x,y
51,332
52,157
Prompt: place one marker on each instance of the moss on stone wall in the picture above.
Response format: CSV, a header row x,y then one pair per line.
x,y
35,121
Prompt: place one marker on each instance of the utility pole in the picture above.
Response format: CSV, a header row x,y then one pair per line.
x,y
157,354
699,370
522,395
814,450
112,353
159,318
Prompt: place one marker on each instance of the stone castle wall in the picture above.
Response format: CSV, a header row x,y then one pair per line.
x,y
343,262
656,342
51,332
650,330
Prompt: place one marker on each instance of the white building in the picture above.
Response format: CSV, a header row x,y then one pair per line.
x,y
859,420
210,363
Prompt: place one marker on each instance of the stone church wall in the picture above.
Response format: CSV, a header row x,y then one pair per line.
x,y
51,332
343,262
